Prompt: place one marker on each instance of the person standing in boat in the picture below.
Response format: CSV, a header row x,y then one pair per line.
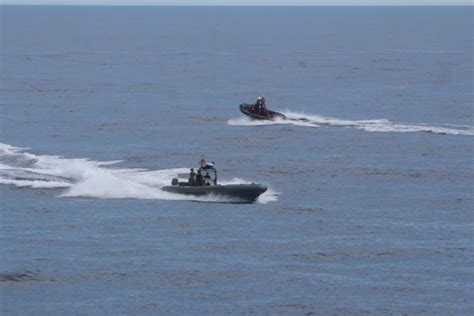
x,y
192,177
260,106
199,178
264,107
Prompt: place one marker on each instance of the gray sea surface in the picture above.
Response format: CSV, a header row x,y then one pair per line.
x,y
370,206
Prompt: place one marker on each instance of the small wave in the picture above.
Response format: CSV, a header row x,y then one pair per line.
x,y
269,196
376,125
82,177
36,184
23,276
245,120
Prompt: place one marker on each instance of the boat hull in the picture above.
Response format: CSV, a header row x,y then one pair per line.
x,y
239,193
270,115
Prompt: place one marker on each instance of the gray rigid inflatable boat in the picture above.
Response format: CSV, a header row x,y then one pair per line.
x,y
239,193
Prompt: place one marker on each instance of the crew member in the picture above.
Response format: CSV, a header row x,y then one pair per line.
x,y
260,106
192,177
263,106
199,178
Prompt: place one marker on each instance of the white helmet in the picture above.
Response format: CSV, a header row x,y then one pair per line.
x,y
260,98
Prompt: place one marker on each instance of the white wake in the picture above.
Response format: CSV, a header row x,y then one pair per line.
x,y
381,125
83,177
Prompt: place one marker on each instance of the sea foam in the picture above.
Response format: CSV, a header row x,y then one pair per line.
x,y
376,125
82,177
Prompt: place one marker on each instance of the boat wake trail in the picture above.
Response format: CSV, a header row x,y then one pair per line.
x,y
83,177
382,125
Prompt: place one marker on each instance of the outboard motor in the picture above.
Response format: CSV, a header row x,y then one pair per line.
x,y
174,181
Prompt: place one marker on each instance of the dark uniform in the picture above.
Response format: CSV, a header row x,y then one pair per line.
x,y
192,177
199,178
260,106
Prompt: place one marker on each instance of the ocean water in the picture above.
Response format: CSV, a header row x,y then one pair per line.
x,y
370,207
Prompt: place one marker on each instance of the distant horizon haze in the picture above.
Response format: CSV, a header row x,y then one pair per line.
x,y
241,2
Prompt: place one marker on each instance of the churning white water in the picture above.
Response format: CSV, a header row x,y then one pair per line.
x,y
82,177
379,125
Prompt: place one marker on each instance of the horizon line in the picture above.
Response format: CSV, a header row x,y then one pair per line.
x,y
238,5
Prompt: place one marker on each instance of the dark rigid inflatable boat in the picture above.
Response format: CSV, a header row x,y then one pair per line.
x,y
249,110
243,193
